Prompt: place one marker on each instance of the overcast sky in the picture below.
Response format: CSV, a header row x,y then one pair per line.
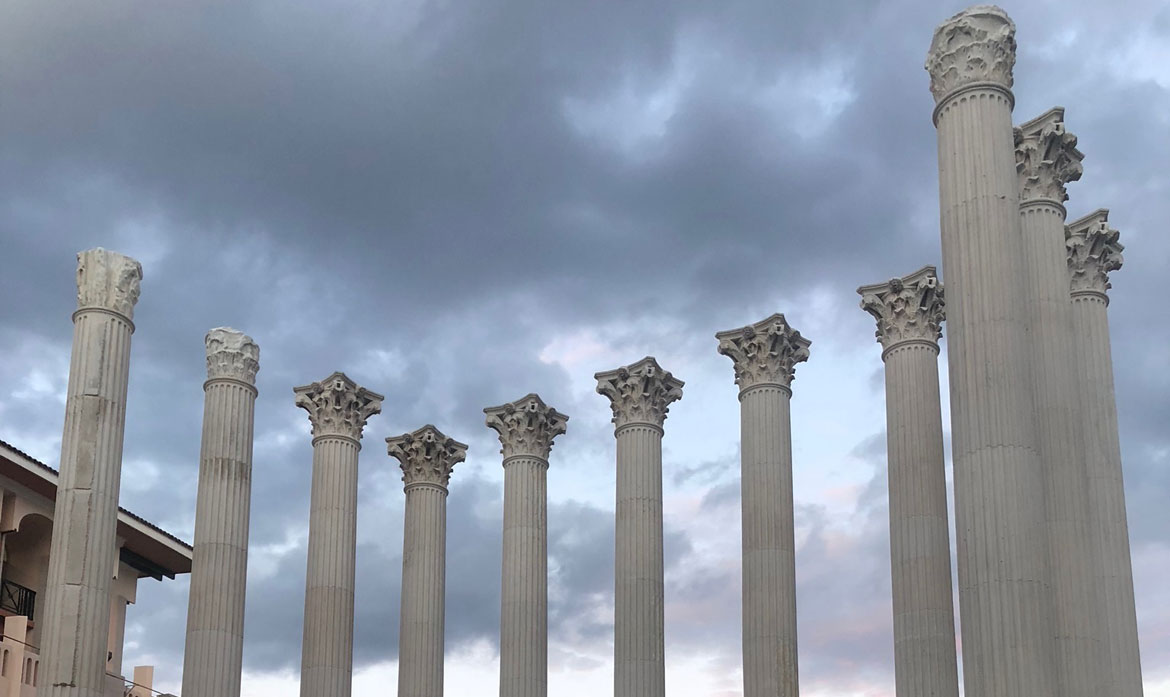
x,y
460,203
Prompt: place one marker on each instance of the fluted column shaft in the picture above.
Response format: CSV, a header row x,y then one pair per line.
x,y
1003,564
213,659
1079,655
920,550
83,550
639,639
524,612
424,574
769,545
327,646
1094,363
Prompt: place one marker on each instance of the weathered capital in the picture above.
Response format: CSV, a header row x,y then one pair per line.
x,y
976,45
640,392
910,308
426,456
1046,157
765,352
108,280
1093,251
232,354
337,406
526,426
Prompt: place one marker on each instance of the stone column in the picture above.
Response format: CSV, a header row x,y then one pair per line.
x,y
427,458
527,428
640,395
81,559
213,659
1093,252
1046,160
338,409
765,355
1004,584
909,313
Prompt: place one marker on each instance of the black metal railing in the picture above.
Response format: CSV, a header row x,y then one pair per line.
x,y
15,599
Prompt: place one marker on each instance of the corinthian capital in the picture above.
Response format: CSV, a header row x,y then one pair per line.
x,y
1093,251
910,308
976,45
526,426
426,456
232,354
108,280
337,406
640,392
1046,157
765,352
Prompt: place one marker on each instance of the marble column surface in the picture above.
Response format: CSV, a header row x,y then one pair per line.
x,y
427,458
640,395
1000,519
765,355
1046,160
214,654
526,428
338,409
1093,252
82,553
909,313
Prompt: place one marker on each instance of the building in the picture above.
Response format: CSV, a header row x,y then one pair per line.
x,y
142,551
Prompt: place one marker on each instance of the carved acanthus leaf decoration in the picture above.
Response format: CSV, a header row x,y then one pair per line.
x,y
976,45
1047,158
1094,250
232,354
911,308
337,406
426,456
108,280
526,426
639,393
765,352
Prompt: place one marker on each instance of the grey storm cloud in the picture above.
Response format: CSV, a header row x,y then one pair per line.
x,y
425,195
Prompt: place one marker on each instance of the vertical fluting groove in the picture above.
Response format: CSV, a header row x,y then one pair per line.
x,y
1080,657
639,640
424,562
769,546
77,589
524,601
924,623
1001,526
327,648
213,659
1110,529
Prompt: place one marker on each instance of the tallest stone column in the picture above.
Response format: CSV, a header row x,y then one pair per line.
x,y
1004,583
77,603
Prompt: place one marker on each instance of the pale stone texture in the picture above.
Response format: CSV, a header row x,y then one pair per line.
x,y
909,313
338,409
1046,160
765,355
427,458
1093,252
527,428
1004,578
213,659
81,567
640,395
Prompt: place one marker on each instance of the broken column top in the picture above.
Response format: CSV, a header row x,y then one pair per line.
x,y
232,354
978,45
108,281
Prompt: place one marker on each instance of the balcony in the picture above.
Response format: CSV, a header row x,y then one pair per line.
x,y
15,599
